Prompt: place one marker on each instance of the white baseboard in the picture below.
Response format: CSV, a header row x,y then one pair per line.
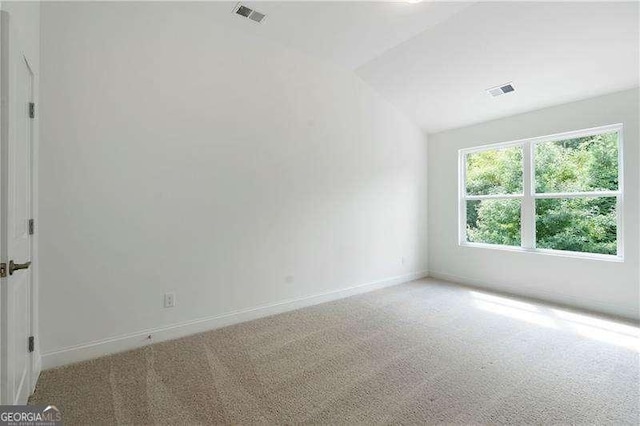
x,y
568,301
141,338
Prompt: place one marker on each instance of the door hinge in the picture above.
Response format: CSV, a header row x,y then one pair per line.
x,y
31,226
3,270
32,344
32,110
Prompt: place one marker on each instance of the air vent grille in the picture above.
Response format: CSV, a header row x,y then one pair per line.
x,y
243,11
247,12
501,90
256,16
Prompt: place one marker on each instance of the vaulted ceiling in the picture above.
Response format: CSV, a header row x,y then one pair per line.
x,y
434,60
552,52
349,33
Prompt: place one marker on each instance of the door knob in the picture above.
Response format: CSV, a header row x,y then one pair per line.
x,y
16,266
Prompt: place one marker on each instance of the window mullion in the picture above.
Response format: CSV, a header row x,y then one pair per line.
x,y
528,208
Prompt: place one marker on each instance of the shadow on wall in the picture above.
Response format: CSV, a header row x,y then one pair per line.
x,y
608,331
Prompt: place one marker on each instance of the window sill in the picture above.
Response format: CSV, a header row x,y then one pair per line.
x,y
547,252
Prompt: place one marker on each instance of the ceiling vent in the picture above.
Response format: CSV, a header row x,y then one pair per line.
x,y
501,90
247,12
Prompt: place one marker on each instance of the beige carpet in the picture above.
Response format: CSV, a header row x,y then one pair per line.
x,y
423,352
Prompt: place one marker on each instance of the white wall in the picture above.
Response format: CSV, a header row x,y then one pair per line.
x,y
598,285
182,155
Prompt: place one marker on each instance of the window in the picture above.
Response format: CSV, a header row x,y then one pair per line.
x,y
557,194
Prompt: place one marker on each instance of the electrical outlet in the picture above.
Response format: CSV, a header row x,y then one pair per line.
x,y
169,300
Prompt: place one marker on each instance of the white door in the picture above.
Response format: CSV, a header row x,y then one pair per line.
x,y
16,136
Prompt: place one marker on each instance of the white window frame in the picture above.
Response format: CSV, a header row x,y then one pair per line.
x,y
528,196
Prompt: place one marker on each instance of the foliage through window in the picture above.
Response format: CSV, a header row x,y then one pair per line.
x,y
561,192
497,171
494,222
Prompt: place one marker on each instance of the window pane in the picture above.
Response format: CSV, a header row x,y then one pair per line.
x,y
497,171
585,225
575,165
494,222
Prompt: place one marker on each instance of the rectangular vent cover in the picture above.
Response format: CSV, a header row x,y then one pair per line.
x,y
501,90
247,12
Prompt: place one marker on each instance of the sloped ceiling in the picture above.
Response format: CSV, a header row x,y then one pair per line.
x,y
552,52
434,59
347,33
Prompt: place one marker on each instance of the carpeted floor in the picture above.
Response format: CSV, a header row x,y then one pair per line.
x,y
423,352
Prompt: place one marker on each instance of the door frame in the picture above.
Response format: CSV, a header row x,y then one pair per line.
x,y
10,40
